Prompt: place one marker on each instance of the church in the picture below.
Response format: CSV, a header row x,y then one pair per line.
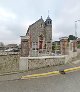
x,y
38,39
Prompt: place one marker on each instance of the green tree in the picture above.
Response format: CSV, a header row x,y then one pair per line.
x,y
72,37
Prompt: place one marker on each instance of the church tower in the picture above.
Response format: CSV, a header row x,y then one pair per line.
x,y
48,29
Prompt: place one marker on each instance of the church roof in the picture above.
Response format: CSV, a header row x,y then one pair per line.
x,y
41,19
48,17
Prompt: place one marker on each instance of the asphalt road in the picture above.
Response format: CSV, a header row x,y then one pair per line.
x,y
69,82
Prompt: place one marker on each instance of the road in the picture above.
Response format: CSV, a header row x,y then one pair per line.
x,y
69,82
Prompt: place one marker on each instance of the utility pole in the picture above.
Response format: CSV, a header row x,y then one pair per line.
x,y
76,27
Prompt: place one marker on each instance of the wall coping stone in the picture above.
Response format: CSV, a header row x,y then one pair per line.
x,y
45,57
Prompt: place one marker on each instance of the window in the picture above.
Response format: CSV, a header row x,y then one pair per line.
x,y
34,45
41,25
50,22
33,48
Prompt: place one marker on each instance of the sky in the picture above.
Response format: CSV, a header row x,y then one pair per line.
x,y
17,15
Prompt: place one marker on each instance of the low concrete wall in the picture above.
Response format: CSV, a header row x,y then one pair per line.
x,y
38,62
23,63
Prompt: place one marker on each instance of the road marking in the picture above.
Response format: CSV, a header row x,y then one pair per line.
x,y
49,73
72,69
40,75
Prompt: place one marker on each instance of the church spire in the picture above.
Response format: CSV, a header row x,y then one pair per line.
x,y
41,17
48,15
48,12
48,20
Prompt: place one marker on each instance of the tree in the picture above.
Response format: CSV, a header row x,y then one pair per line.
x,y
71,37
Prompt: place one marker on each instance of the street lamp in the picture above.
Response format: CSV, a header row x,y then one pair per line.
x,y
76,27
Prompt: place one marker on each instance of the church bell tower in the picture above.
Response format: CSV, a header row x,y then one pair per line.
x,y
48,29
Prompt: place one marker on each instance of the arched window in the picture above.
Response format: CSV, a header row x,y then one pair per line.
x,y
48,22
41,25
41,41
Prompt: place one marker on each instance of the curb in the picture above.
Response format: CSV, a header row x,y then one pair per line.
x,y
72,69
40,75
49,73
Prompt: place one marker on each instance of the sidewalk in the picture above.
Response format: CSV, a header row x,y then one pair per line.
x,y
37,71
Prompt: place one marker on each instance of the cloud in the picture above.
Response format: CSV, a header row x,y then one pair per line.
x,y
5,15
7,19
65,20
15,18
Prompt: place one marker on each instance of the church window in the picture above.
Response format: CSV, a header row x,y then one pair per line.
x,y
40,41
48,22
45,46
33,48
41,25
34,45
48,42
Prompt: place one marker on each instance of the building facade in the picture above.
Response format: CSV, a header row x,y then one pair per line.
x,y
38,39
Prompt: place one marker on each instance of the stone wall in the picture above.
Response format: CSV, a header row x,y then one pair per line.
x,y
9,63
14,63
38,62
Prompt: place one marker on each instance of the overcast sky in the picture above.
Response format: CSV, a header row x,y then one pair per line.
x,y
17,15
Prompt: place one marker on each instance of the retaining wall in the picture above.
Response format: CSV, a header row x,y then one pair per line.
x,y
38,62
12,62
9,63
